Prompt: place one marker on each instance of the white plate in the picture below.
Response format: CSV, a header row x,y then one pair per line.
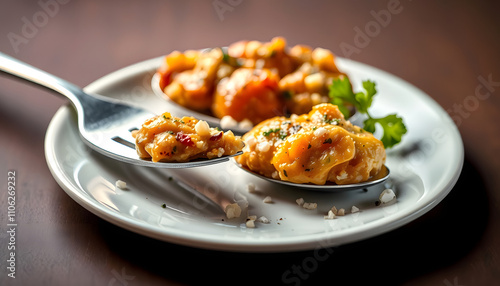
x,y
424,169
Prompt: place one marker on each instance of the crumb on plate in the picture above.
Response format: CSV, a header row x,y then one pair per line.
x,y
121,184
300,201
341,212
251,188
310,206
387,196
233,211
263,219
250,223
330,215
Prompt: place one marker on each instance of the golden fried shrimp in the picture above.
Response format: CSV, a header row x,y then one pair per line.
x,y
193,86
248,94
316,148
218,82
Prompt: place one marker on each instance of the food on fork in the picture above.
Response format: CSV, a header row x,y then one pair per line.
x,y
250,80
167,138
317,148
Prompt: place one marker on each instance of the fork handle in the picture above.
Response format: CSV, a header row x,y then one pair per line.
x,y
29,73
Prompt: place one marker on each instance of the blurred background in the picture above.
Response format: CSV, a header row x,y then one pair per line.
x,y
442,47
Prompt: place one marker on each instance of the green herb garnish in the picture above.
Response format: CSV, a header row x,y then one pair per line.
x,y
283,134
229,60
330,121
341,93
268,132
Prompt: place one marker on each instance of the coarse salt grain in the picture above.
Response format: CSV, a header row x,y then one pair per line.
x,y
310,206
252,217
341,212
233,210
227,122
263,146
334,210
342,176
250,223
251,188
202,128
250,141
386,196
220,152
245,124
300,201
320,131
268,200
354,209
263,219
121,184
330,215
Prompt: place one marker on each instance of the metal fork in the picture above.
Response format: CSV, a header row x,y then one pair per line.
x,y
105,125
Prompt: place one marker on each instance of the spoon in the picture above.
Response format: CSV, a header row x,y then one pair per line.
x,y
381,177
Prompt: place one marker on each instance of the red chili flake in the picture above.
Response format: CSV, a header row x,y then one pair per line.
x,y
216,137
184,139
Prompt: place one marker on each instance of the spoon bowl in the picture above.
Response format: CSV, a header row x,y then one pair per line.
x,y
380,178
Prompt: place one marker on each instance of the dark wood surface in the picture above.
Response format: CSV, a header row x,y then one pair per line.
x,y
442,47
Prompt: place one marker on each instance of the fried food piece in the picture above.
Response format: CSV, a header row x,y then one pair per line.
x,y
172,139
267,55
308,85
315,148
250,80
189,79
248,94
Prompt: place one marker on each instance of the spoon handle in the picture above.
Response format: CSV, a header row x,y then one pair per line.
x,y
31,74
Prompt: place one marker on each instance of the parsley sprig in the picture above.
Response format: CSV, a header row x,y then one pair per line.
x,y
341,93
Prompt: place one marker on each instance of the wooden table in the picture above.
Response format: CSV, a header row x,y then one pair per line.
x,y
449,49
